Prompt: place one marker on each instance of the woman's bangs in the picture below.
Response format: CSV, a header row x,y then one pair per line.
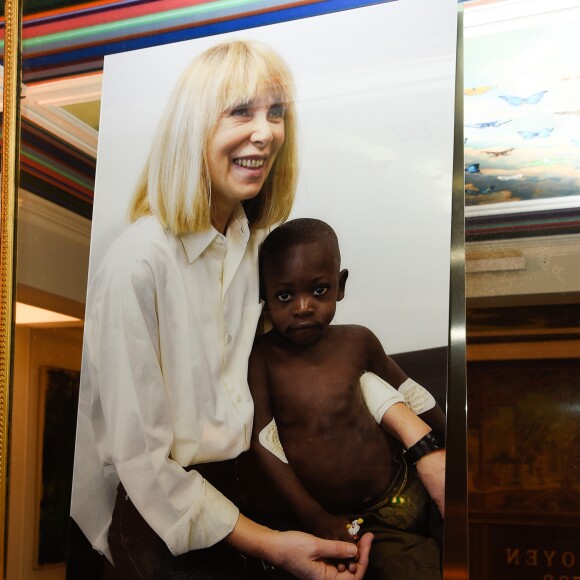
x,y
255,83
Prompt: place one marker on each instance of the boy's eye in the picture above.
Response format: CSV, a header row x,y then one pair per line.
x,y
284,296
320,290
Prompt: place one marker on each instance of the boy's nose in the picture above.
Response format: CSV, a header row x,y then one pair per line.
x,y
303,306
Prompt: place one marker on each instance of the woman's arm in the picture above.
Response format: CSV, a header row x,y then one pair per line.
x,y
133,421
408,428
417,397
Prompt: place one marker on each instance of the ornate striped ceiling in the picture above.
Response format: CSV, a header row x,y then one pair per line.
x,y
73,40
70,40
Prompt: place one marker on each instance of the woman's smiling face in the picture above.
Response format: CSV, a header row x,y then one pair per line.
x,y
241,153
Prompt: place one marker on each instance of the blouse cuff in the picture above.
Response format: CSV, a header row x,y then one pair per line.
x,y
203,525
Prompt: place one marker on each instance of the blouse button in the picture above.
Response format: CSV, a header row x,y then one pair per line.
x,y
229,338
239,398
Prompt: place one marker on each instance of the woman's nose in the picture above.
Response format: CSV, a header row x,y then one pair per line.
x,y
261,131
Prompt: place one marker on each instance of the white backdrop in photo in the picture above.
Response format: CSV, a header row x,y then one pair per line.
x,y
375,105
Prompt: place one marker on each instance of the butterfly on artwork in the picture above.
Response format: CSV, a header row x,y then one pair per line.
x,y
472,168
487,124
542,133
475,91
503,153
518,101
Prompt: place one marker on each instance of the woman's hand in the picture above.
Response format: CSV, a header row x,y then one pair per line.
x,y
310,558
304,555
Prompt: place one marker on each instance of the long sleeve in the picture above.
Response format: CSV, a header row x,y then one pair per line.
x,y
138,426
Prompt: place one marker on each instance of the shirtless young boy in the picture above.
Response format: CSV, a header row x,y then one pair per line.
x,y
335,464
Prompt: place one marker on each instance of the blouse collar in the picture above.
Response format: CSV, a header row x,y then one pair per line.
x,y
238,230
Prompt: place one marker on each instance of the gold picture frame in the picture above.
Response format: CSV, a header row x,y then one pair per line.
x,y
9,189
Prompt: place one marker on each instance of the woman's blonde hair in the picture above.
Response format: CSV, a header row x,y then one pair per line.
x,y
175,184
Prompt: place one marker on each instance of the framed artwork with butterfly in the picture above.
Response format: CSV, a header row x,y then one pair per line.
x,y
522,116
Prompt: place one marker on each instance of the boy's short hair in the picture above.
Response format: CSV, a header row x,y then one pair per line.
x,y
175,184
298,231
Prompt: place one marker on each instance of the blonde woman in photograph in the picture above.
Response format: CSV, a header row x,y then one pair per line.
x,y
165,409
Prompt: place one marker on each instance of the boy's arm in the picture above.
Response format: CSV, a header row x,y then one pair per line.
x,y
274,462
417,397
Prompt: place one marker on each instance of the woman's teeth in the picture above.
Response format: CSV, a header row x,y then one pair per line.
x,y
250,163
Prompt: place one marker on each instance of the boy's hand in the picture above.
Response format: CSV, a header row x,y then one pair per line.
x,y
332,527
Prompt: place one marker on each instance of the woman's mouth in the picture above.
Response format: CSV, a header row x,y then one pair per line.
x,y
249,163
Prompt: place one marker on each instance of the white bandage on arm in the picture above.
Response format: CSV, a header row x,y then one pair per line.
x,y
270,440
378,395
417,398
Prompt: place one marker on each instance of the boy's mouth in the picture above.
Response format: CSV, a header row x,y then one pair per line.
x,y
303,333
304,326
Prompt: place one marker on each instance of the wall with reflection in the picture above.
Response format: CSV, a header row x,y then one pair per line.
x,y
523,291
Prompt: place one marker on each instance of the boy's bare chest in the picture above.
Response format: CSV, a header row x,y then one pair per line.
x,y
325,383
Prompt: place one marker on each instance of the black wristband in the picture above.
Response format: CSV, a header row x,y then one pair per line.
x,y
424,446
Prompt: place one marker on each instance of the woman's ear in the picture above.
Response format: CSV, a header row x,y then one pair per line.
x,y
342,277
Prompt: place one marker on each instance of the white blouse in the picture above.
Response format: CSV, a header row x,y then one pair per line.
x,y
169,328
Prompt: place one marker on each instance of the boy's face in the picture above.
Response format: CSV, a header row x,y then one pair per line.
x,y
302,286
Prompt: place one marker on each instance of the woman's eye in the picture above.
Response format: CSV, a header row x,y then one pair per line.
x,y
240,112
284,296
277,111
320,291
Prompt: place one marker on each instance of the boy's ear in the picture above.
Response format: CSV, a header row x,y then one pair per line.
x,y
262,294
342,277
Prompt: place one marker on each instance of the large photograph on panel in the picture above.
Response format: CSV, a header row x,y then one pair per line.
x,y
372,120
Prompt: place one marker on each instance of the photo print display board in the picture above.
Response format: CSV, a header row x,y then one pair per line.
x,y
375,105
